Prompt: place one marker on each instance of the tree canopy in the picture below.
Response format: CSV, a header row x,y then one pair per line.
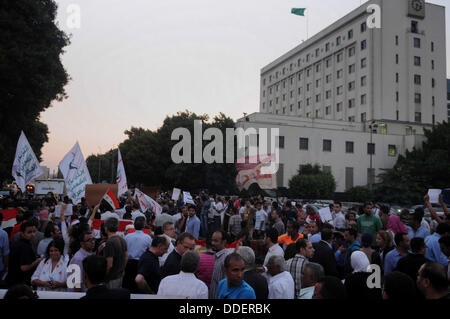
x,y
418,170
31,74
147,157
312,183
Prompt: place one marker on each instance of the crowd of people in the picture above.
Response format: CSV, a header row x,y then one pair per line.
x,y
220,247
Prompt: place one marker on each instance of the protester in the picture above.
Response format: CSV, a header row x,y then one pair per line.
x,y
51,274
138,241
255,280
218,242
339,217
295,265
329,288
372,254
206,266
116,254
87,241
384,244
411,264
415,229
274,249
398,285
172,265
434,252
149,273
94,275
312,274
193,222
323,253
368,223
350,238
281,283
168,232
233,286
51,233
4,250
403,244
22,259
292,235
432,281
185,283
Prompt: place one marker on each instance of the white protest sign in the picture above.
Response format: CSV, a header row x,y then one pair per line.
x,y
26,166
325,214
76,174
434,195
187,198
67,212
293,204
176,193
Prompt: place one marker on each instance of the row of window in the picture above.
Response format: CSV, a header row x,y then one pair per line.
x,y
327,146
363,45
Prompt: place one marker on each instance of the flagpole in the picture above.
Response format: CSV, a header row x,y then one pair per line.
x,y
307,25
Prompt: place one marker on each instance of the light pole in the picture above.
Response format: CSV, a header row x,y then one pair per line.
x,y
372,126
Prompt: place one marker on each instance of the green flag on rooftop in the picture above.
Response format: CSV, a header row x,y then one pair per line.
x,y
298,11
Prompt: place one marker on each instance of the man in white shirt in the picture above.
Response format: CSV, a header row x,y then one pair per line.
x,y
217,209
169,233
281,283
339,221
260,222
185,284
271,241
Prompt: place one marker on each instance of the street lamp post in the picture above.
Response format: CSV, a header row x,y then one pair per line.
x,y
371,127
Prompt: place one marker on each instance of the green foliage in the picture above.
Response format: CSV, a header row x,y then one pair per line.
x,y
360,194
31,74
147,157
312,183
413,174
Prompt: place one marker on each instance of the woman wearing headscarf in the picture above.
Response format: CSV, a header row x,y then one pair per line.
x,y
356,283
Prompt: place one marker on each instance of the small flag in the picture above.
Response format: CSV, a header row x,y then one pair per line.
x,y
111,199
298,11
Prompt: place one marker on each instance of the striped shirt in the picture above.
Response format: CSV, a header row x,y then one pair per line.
x,y
295,267
218,272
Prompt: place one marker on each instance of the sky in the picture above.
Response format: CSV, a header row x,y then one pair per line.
x,y
134,62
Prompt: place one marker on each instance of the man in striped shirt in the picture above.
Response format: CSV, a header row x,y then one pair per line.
x,y
295,265
218,242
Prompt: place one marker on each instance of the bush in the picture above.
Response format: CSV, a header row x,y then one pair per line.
x,y
360,194
312,186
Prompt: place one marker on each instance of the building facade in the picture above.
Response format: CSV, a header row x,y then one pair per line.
x,y
352,97
448,99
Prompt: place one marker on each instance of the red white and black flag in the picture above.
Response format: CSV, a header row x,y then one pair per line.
x,y
111,199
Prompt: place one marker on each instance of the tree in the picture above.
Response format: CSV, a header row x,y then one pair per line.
x,y
147,157
31,74
418,170
312,183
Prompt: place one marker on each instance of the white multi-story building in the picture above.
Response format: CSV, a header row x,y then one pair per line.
x,y
352,98
448,99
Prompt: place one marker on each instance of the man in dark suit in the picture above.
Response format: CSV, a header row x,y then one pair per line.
x,y
323,253
94,274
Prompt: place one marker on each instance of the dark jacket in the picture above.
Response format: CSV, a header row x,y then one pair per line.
x,y
103,292
324,255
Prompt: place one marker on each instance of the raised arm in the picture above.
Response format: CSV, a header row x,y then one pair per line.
x,y
431,209
444,207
